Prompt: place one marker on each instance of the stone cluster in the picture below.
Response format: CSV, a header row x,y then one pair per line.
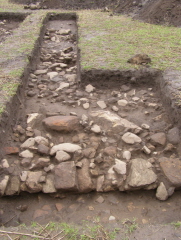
x,y
112,140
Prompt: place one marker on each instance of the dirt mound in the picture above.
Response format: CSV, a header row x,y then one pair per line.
x,y
152,11
162,12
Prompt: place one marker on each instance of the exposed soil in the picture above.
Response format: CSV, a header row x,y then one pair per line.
x,y
153,217
41,97
144,106
6,28
152,11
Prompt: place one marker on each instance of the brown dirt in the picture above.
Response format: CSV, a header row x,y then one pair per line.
x,y
154,218
152,11
162,12
6,28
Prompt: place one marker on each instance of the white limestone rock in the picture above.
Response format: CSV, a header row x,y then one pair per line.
x,y
120,167
161,192
62,156
67,147
131,138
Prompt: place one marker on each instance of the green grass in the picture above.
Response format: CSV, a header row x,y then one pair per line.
x,y
54,230
108,42
15,52
6,6
176,224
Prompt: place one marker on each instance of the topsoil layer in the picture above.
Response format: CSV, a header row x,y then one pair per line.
x,y
152,11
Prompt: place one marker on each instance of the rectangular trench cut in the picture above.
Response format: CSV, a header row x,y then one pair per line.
x,y
109,131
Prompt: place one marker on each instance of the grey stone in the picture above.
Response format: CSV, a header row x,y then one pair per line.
x,y
71,78
64,31
31,93
52,74
41,71
146,150
100,199
84,179
115,109
141,174
131,138
111,175
161,192
145,126
120,167
23,176
112,122
66,147
86,105
122,103
89,88
49,168
66,177
26,154
48,186
25,162
62,156
30,142
41,140
34,119
32,182
96,128
173,135
127,155
171,168
3,184
13,186
102,104
89,152
62,86
100,181
112,218
5,163
158,139
40,163
171,191
42,149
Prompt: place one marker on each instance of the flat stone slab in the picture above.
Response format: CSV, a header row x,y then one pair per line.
x,y
141,173
171,168
113,121
65,177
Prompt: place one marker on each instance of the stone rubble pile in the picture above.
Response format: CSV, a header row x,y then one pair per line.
x,y
113,140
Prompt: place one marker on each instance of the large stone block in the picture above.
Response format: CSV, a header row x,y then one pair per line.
x,y
62,123
65,176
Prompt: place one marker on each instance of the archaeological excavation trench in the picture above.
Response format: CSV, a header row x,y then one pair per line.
x,y
97,130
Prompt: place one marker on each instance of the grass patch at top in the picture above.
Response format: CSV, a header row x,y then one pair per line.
x,y
108,42
6,6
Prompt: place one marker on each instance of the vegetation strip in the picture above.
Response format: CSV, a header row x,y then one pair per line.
x,y
107,42
15,54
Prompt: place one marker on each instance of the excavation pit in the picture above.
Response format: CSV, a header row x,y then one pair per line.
x,y
81,131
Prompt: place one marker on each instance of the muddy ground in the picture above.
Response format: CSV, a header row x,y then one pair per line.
x,y
154,218
152,11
